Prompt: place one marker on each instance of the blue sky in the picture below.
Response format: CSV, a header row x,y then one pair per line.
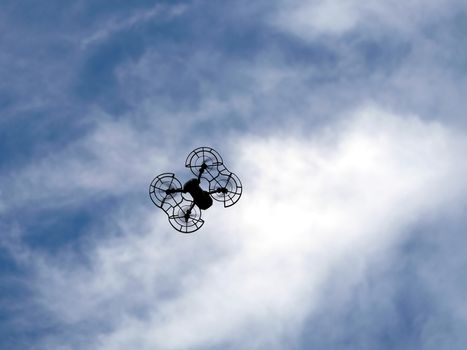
x,y
345,122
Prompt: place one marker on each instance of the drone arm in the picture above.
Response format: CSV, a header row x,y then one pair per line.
x,y
219,190
174,190
201,171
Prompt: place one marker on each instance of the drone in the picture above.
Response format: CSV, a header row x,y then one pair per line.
x,y
183,204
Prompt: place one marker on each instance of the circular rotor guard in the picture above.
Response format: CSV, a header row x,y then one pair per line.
x,y
204,155
230,186
158,187
186,220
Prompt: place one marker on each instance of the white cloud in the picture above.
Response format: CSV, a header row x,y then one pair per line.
x,y
114,25
114,158
307,18
312,203
310,18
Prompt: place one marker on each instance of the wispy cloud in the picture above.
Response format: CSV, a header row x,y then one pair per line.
x,y
114,25
345,122
311,206
308,19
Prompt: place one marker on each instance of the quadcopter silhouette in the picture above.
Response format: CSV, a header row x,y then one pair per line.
x,y
183,204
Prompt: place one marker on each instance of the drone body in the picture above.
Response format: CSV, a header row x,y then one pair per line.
x,y
183,204
201,198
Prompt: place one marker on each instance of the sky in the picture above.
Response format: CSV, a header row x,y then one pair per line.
x,y
345,121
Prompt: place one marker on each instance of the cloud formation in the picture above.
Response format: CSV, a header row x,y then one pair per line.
x,y
313,205
308,19
345,122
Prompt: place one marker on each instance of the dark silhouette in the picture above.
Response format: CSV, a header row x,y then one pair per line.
x,y
184,213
